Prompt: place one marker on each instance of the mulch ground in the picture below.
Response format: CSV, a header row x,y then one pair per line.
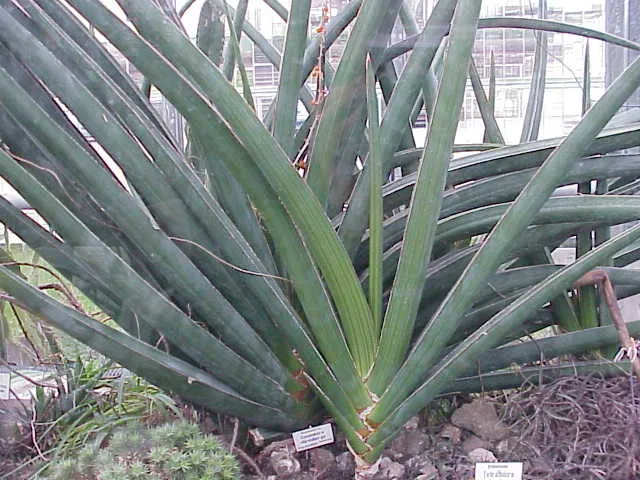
x,y
578,427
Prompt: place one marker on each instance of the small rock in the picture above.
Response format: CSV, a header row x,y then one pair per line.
x,y
284,464
506,446
303,476
389,470
451,433
264,455
482,455
480,418
540,465
474,442
323,463
345,463
428,476
408,444
420,465
412,424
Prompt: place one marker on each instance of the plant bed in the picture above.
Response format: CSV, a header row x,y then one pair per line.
x,y
582,427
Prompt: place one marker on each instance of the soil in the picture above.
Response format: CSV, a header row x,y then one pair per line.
x,y
574,428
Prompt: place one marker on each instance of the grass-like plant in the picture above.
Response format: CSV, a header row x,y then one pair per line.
x,y
91,400
262,273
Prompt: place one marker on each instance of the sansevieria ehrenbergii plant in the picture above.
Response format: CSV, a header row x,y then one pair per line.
x,y
289,270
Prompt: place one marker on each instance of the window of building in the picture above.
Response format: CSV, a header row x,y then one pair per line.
x,y
258,22
554,13
554,103
573,17
237,78
246,47
265,105
278,42
513,10
514,41
470,108
513,71
259,56
263,75
278,29
512,106
594,13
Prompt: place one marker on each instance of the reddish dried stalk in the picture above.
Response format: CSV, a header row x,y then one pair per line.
x,y
600,278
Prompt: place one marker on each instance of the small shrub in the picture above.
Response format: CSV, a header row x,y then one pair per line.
x,y
174,451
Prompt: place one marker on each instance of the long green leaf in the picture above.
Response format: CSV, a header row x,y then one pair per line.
x,y
574,343
491,128
427,198
561,307
72,26
305,210
562,211
587,301
495,161
539,374
234,44
353,131
278,8
273,55
210,34
195,288
83,276
286,109
181,377
491,96
500,240
375,210
533,113
229,54
456,361
171,162
350,72
149,303
592,208
398,110
505,187
528,24
306,280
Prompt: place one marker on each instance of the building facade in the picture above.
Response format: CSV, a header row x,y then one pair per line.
x,y
512,50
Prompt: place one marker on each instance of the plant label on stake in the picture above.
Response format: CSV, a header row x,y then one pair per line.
x,y
495,471
312,437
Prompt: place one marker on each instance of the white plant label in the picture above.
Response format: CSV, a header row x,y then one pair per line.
x,y
313,437
499,471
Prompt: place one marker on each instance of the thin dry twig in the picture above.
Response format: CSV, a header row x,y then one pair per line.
x,y
60,287
224,262
25,333
234,437
34,437
245,457
577,427
600,277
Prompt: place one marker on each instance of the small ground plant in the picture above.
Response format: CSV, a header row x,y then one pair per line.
x,y
171,451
